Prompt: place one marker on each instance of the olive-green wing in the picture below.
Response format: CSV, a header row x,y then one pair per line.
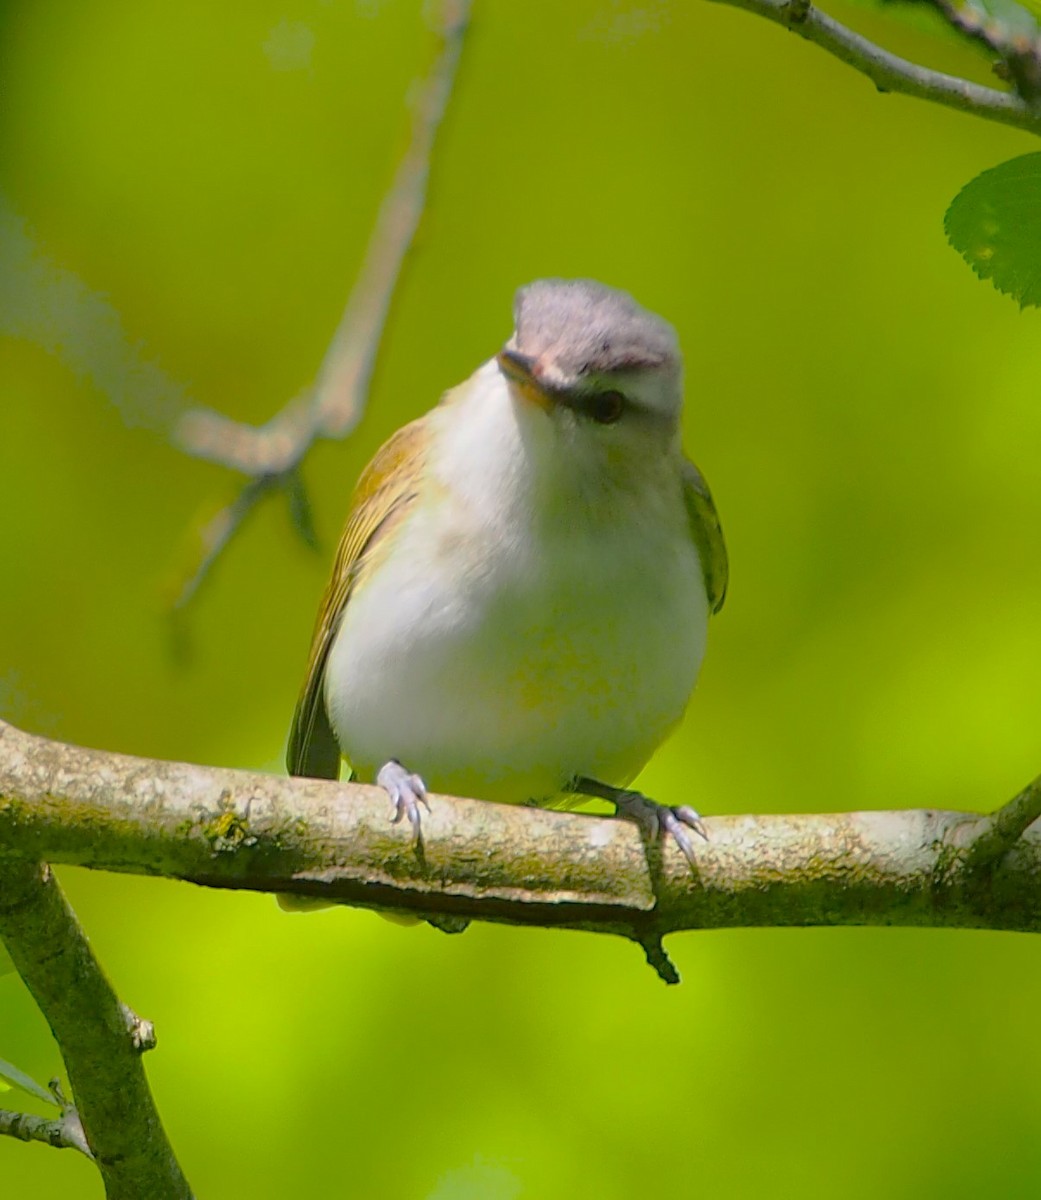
x,y
708,534
385,491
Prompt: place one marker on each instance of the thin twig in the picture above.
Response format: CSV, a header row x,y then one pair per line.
x,y
216,534
889,72
65,1133
273,452
344,379
94,1032
1005,827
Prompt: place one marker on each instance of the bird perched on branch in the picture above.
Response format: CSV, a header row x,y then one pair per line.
x,y
519,601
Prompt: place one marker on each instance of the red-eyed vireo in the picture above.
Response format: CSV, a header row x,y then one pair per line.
x,y
518,606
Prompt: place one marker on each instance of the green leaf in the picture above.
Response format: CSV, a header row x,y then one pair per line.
x,y
11,1075
994,222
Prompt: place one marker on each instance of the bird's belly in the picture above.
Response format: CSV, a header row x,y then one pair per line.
x,y
499,681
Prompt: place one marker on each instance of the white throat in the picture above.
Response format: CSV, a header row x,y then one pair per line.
x,y
493,452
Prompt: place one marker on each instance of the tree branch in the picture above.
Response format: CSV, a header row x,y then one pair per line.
x,y
63,1134
240,829
100,1040
1005,828
273,452
889,72
67,1132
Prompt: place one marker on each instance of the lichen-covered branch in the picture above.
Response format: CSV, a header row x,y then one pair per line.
x,y
99,1041
889,72
240,829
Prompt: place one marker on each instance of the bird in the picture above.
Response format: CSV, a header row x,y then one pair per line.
x,y
518,605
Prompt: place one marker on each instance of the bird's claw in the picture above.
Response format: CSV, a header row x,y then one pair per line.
x,y
406,791
658,820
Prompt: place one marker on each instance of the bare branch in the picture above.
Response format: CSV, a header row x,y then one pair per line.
x,y
65,1133
890,73
339,396
272,453
344,379
240,829
96,1035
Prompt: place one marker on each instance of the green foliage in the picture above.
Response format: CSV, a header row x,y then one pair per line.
x,y
995,223
12,1077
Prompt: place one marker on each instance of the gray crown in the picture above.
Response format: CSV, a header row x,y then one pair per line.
x,y
584,327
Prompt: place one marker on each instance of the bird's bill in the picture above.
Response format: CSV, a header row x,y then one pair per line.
x,y
519,369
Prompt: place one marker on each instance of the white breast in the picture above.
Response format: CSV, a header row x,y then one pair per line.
x,y
498,658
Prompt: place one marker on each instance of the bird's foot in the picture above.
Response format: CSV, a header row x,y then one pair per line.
x,y
406,791
654,820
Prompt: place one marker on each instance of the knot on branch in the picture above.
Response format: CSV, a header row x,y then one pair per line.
x,y
796,12
142,1032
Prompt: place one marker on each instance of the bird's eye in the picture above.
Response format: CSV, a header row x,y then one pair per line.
x,y
606,407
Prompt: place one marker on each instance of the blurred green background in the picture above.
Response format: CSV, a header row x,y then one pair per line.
x,y
185,193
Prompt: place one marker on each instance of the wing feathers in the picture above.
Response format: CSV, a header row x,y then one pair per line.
x,y
708,534
385,491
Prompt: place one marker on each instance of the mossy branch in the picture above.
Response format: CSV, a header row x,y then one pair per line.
x,y
240,829
99,1038
1004,829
